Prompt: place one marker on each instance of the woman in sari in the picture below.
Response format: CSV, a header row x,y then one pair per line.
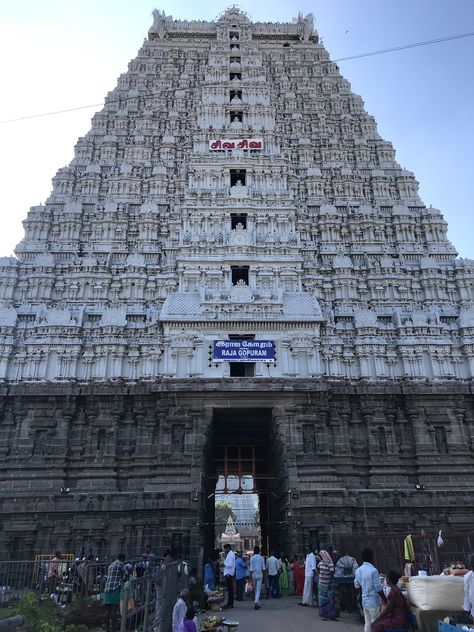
x,y
395,613
325,587
189,623
209,575
283,576
298,573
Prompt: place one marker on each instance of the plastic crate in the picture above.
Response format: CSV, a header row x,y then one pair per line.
x,y
447,627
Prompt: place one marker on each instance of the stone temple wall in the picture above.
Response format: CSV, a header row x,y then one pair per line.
x,y
117,466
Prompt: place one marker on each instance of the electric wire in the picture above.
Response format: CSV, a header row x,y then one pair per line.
x,y
383,51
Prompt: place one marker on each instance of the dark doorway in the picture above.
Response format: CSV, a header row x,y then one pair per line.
x,y
242,369
244,456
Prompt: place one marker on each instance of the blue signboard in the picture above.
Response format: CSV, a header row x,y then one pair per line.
x,y
243,351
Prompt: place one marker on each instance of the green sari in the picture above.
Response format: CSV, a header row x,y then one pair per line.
x,y
284,580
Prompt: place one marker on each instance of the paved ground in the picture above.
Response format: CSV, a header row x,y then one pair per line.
x,y
284,615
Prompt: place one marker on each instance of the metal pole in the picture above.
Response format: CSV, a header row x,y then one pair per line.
x,y
123,622
147,602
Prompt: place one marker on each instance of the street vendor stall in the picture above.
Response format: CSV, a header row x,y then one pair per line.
x,y
433,598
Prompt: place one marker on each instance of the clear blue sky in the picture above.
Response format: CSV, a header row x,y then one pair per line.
x,y
58,54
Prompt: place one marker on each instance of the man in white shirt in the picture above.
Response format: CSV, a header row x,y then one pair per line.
x,y
309,573
468,605
367,580
229,573
180,608
257,573
273,570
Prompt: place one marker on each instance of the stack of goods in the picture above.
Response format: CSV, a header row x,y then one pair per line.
x,y
404,580
212,623
456,568
432,598
436,592
214,599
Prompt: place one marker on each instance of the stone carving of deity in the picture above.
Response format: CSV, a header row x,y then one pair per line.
x,y
239,236
241,293
309,439
306,26
235,123
159,24
177,437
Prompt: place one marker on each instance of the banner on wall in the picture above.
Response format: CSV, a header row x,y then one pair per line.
x,y
243,351
217,144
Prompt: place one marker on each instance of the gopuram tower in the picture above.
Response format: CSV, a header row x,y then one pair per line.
x,y
233,278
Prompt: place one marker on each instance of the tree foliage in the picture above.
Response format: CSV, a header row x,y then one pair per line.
x,y
223,511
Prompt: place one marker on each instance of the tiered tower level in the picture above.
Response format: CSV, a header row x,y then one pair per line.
x,y
234,184
233,188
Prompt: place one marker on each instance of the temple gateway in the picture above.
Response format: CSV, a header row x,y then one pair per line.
x,y
233,280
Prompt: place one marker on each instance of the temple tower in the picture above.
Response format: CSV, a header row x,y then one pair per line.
x,y
233,233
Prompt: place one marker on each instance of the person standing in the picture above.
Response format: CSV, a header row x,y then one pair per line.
x,y
257,572
367,580
283,579
209,574
325,587
240,575
298,574
468,605
53,573
115,575
273,570
229,574
291,579
309,573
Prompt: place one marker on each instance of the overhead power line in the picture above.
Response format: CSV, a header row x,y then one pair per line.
x,y
405,46
359,56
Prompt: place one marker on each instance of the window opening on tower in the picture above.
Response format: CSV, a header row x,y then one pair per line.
x,y
241,369
236,116
240,273
237,177
235,76
238,218
234,36
235,96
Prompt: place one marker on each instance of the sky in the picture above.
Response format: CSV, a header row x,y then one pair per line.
x,y
62,54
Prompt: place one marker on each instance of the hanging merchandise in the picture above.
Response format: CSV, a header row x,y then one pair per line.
x,y
440,541
409,552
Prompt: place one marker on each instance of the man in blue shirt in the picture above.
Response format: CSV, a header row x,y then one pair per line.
x,y
257,573
367,580
240,575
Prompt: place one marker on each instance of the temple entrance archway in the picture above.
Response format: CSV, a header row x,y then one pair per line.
x,y
244,457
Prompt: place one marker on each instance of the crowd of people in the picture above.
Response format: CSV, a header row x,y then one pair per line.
x,y
332,582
